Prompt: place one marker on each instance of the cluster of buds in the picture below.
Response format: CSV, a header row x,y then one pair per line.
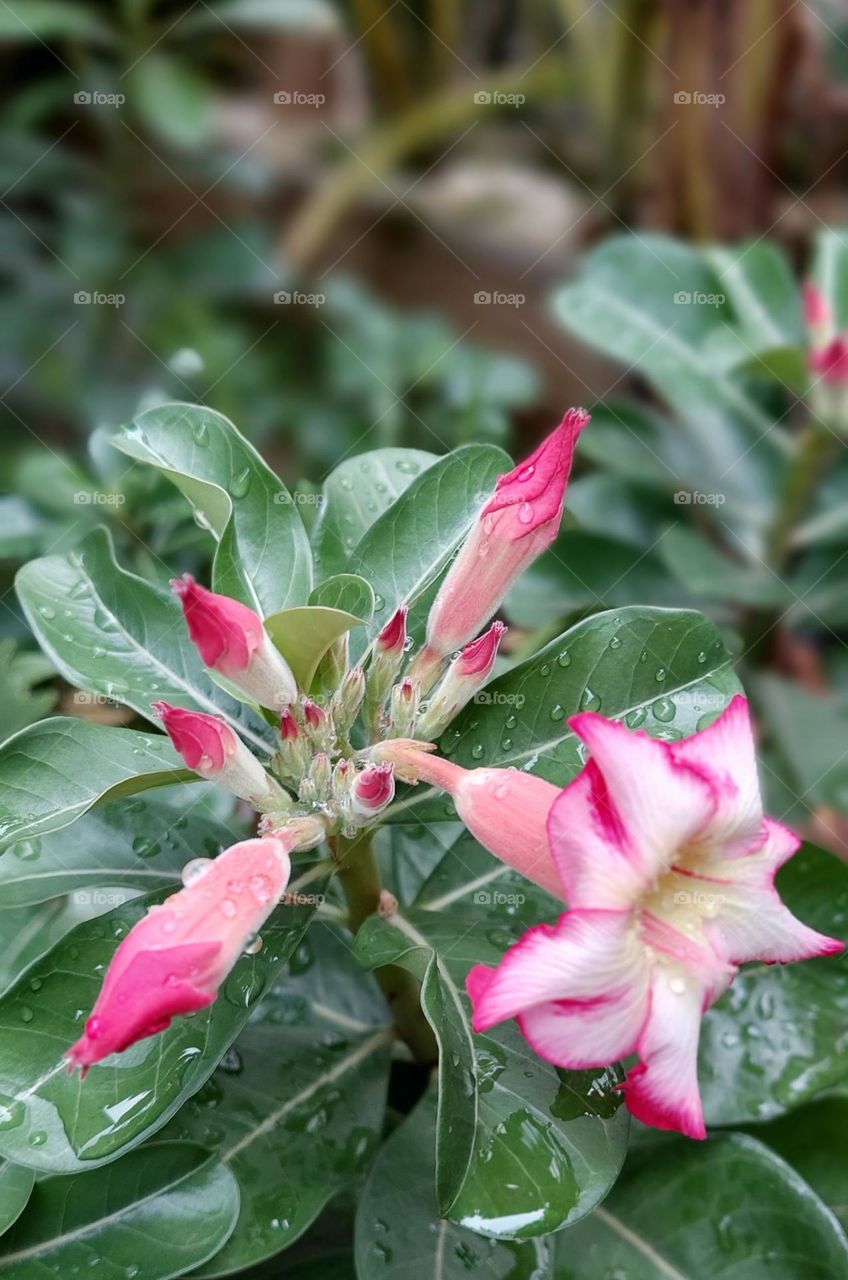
x,y
333,767
828,361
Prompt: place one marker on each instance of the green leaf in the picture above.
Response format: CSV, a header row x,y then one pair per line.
x,y
810,732
639,443
345,591
830,271
703,570
263,555
49,20
121,637
22,529
28,932
304,634
16,1185
777,1038
812,1141
159,1213
61,1123
58,769
662,670
400,1234
172,99
683,1210
138,843
265,15
20,703
469,877
296,1108
761,290
406,548
522,1148
355,494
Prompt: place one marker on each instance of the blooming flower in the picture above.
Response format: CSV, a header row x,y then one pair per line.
x,y
175,959
469,670
667,864
516,525
212,749
232,640
505,809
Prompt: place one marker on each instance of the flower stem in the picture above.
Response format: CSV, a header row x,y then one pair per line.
x,y
816,447
360,880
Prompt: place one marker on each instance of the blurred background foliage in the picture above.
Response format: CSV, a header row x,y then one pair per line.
x,y
353,224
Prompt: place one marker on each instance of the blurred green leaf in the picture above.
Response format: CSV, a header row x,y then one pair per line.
x,y
50,20
20,702
812,1141
810,731
173,99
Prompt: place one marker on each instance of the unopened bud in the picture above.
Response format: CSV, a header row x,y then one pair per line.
x,y
317,724
373,790
348,700
386,662
320,774
468,672
403,708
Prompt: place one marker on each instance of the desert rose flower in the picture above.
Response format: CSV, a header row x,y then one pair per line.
x,y
232,640
373,789
667,864
212,749
175,959
505,809
468,672
818,315
516,525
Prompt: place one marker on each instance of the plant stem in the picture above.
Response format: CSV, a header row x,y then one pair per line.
x,y
816,447
360,880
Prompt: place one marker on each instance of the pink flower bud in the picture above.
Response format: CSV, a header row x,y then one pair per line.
x,y
517,524
392,639
175,959
289,731
212,749
831,362
505,809
232,640
818,314
465,675
314,716
373,789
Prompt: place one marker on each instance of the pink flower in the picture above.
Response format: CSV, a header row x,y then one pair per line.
x,y
818,315
516,525
232,640
373,789
465,675
831,362
668,865
212,749
175,959
289,731
505,809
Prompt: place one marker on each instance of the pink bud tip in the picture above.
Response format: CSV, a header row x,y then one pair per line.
x,y
478,657
831,362
197,736
289,731
374,787
407,690
226,632
313,714
392,638
537,485
816,307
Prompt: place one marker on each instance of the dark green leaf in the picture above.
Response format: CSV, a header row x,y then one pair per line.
x,y
812,1141
345,591
16,1185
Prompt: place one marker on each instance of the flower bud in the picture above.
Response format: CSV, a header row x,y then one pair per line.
x,y
818,315
175,959
320,774
292,758
348,700
468,672
343,779
212,749
373,789
317,724
516,525
403,708
386,662
505,809
232,640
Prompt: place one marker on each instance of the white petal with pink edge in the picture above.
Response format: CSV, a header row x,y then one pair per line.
x,y
590,850
725,755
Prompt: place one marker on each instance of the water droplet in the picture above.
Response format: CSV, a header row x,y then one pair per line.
x,y
407,467
557,712
564,659
615,643
636,717
46,611
200,431
27,850
195,870
545,670
240,483
227,908
664,710
477,751
525,513
677,985
660,674
12,1112
38,1138
590,701
261,888
27,1014
143,847
254,946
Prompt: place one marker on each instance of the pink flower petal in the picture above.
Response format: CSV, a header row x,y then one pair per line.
x,y
724,754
